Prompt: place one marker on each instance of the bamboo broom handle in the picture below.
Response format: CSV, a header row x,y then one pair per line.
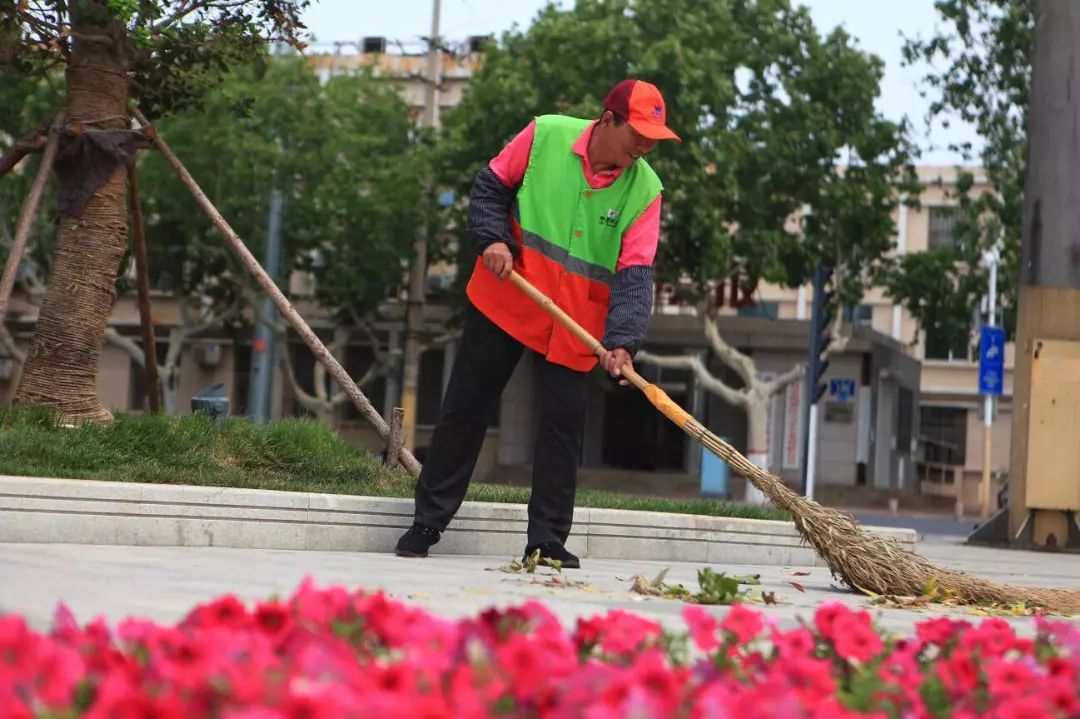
x,y
655,395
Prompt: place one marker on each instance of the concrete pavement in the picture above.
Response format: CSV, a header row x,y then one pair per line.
x,y
163,583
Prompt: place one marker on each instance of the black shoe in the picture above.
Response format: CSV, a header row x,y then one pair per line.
x,y
555,551
417,541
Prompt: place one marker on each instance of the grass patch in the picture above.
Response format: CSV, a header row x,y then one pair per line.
x,y
295,455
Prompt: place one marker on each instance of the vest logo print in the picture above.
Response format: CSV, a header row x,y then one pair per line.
x,y
610,219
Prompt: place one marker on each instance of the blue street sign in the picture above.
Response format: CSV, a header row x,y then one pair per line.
x,y
842,389
991,360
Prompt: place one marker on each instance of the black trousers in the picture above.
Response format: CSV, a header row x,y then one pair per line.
x,y
486,358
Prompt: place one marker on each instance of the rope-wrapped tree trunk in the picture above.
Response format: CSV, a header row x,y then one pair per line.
x,y
61,367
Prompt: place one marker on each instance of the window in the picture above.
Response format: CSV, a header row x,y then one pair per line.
x,y
943,434
943,227
947,341
761,309
904,419
859,314
358,359
137,396
429,389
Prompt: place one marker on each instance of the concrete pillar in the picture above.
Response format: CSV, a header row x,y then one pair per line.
x,y
1044,479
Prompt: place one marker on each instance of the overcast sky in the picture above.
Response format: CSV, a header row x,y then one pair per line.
x,y
878,25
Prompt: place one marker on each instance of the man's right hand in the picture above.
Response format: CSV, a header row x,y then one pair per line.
x,y
498,259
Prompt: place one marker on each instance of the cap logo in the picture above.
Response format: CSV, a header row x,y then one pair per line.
x,y
658,112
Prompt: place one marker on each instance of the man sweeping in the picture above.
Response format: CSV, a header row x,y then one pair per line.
x,y
572,207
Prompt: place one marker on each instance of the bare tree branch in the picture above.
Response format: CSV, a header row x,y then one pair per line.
x,y
734,397
838,339
127,344
341,341
33,141
780,383
9,344
188,7
306,401
443,340
733,358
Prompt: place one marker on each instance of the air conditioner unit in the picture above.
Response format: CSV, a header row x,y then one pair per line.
x,y
477,43
374,44
208,355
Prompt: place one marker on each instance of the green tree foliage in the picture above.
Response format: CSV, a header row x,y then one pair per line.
x,y
342,155
981,73
773,114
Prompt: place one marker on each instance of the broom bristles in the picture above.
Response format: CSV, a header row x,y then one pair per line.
x,y
871,562
863,561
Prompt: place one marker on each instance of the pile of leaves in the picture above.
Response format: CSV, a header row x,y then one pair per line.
x,y
338,653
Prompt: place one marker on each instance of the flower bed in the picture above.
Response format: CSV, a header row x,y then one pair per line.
x,y
332,653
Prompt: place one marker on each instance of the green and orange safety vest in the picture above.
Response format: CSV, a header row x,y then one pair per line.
x,y
569,236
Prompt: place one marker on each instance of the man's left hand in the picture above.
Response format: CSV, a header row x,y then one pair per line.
x,y
614,361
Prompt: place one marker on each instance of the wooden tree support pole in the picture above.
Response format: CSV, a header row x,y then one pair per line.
x,y
32,142
26,218
280,301
142,280
394,443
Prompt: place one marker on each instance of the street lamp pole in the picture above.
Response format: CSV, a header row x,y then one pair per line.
x,y
991,258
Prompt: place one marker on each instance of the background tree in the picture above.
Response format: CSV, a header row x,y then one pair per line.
x,y
24,102
343,157
774,116
981,74
163,54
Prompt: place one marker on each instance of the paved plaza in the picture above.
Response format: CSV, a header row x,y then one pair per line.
x,y
163,583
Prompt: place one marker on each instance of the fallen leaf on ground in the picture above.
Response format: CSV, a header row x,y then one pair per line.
x,y
798,586
800,574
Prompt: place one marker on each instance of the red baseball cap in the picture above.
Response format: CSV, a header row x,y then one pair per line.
x,y
643,107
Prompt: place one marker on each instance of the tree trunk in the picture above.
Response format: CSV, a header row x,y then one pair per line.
x,y
62,364
757,442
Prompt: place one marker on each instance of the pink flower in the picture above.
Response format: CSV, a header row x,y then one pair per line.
x,y
1022,708
702,627
625,632
226,611
991,639
1007,678
940,631
828,614
958,673
273,619
796,643
1064,697
742,623
854,639
812,677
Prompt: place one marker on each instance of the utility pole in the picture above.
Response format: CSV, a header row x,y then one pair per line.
x,y
990,258
817,363
1044,484
263,345
415,309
